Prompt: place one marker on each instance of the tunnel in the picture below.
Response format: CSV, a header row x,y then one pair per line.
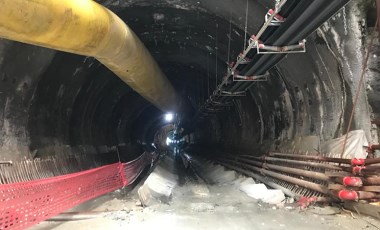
x,y
55,105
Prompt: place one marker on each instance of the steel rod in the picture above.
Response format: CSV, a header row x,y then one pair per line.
x,y
315,158
299,182
295,171
265,181
298,162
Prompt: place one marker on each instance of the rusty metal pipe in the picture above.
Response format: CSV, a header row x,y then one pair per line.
x,y
296,181
354,195
300,163
315,158
373,180
372,161
86,28
294,171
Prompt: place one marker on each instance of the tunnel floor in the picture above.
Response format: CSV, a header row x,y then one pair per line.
x,y
196,203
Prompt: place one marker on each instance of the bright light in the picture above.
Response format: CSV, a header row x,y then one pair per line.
x,y
169,117
168,141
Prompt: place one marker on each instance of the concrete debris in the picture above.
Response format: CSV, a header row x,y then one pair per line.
x,y
273,196
219,175
159,185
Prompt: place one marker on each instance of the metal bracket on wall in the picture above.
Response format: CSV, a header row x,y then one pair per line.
x,y
216,103
263,77
277,19
298,48
233,94
243,60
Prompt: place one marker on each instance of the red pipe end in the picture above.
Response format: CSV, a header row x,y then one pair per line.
x,y
357,161
305,202
357,170
348,195
352,181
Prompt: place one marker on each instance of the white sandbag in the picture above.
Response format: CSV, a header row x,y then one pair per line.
x,y
256,191
273,196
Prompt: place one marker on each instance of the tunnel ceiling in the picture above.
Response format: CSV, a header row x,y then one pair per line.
x,y
54,101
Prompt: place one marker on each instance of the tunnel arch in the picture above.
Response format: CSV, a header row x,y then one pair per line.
x,y
75,101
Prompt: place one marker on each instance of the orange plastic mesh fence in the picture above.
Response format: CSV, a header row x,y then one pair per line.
x,y
27,203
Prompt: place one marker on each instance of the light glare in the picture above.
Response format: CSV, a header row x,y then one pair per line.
x,y
169,117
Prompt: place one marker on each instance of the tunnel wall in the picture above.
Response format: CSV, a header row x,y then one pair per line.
x,y
21,67
57,103
308,98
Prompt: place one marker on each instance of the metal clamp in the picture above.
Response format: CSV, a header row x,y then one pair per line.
x,y
217,103
277,19
242,60
264,77
233,94
298,48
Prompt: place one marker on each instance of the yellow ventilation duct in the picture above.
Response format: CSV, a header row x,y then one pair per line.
x,y
87,28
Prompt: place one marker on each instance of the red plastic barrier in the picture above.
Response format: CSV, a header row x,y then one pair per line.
x,y
28,203
133,169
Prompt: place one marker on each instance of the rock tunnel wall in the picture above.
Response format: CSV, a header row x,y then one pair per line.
x,y
55,103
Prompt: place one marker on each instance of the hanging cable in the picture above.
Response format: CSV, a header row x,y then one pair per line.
x,y
246,25
365,65
216,56
208,76
229,39
118,153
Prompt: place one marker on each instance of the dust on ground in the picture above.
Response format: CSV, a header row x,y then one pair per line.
x,y
195,204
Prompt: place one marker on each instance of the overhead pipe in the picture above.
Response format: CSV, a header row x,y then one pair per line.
x,y
310,23
299,9
86,28
307,26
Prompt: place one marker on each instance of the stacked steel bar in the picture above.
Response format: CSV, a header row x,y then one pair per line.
x,y
312,176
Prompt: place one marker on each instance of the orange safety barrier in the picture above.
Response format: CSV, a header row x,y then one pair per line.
x,y
27,203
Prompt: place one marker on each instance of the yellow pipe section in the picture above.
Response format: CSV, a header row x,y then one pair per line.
x,y
87,28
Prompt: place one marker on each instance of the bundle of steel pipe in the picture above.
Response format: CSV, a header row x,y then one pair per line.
x,y
336,178
302,18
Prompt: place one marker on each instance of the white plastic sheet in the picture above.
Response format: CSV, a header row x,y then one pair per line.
x,y
355,147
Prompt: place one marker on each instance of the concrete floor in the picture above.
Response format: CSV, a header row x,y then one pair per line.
x,y
197,205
